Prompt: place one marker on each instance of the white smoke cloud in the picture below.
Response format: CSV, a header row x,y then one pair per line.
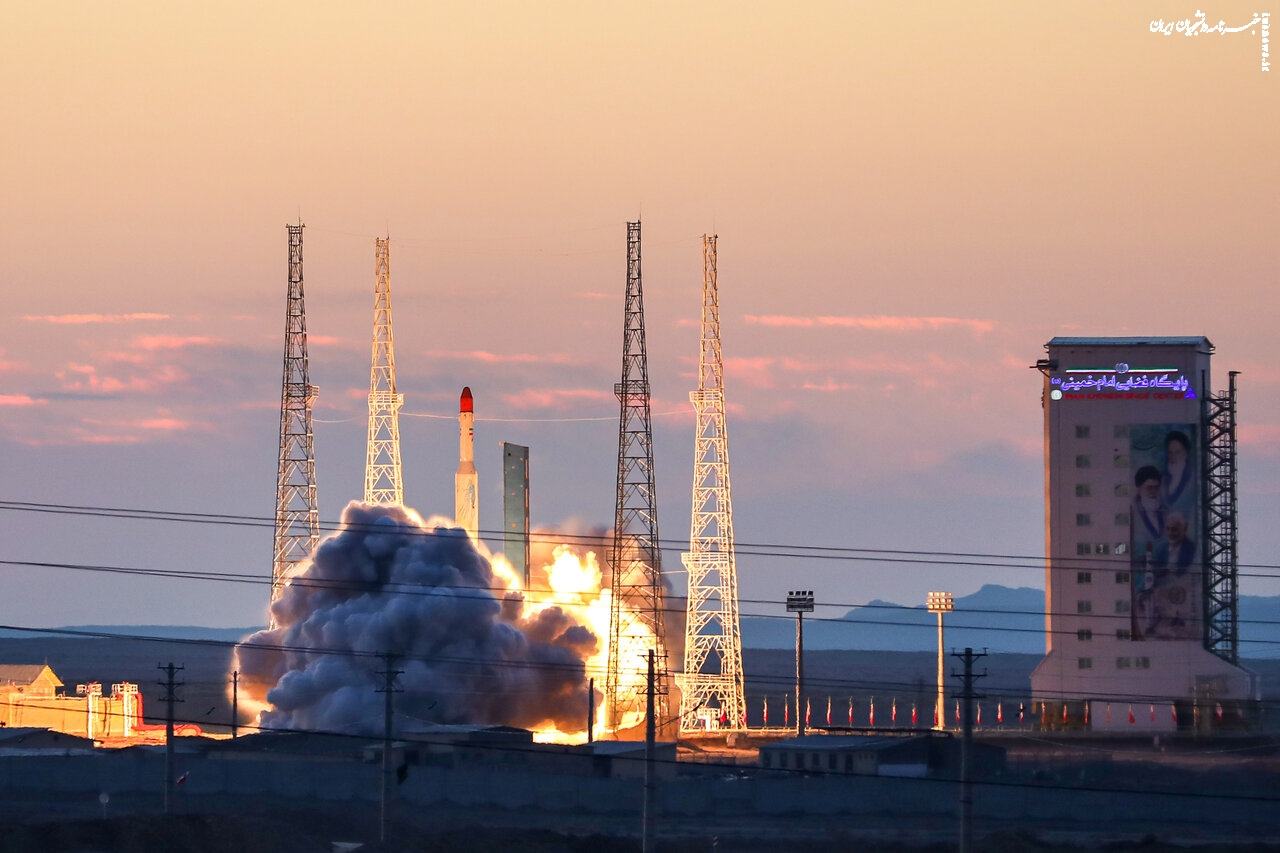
x,y
387,583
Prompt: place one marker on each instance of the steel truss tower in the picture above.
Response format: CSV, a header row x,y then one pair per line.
x,y
382,478
713,636
636,607
1222,624
297,514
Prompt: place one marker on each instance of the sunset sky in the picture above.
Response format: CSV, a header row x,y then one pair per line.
x,y
911,199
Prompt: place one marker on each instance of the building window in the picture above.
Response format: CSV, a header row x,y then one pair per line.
x,y
1084,606
1082,431
1122,547
1084,577
1084,634
1143,663
1082,490
1122,606
816,763
1084,548
1121,431
1082,461
1123,663
1084,663
831,761
1102,548
1122,518
1083,519
1121,460
1122,577
1122,490
1124,634
848,763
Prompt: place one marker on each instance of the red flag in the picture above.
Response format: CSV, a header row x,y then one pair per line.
x,y
1022,710
935,715
1173,709
1108,715
1086,713
913,715
851,711
828,712
979,713
766,711
1131,715
1218,709
1064,712
999,713
808,711
786,711
957,711
871,721
1153,713
893,712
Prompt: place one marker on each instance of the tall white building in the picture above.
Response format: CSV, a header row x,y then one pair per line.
x,y
1140,540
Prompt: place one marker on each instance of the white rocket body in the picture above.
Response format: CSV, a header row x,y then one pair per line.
x,y
466,512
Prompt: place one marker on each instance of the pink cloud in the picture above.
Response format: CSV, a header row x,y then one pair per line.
x,y
21,400
555,398
84,378
86,319
752,372
495,358
829,386
871,321
167,424
151,343
326,340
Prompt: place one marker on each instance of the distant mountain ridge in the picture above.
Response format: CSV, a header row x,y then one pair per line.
x,y
999,618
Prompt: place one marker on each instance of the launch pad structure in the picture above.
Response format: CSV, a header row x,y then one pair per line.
x,y
297,524
636,608
712,695
383,482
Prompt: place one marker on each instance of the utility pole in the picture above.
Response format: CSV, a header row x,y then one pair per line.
x,y
800,602
169,698
388,688
646,845
235,704
591,709
966,743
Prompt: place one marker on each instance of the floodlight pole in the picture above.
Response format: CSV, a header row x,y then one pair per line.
x,y
940,602
800,602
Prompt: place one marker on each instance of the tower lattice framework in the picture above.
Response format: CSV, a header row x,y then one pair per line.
x,y
1221,600
297,528
383,483
713,677
636,607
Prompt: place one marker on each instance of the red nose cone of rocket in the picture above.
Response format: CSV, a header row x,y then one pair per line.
x,y
464,404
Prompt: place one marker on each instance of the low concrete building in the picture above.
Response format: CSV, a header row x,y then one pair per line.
x,y
33,741
34,698
935,755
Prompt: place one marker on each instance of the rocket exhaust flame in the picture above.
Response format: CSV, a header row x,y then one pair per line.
x,y
468,655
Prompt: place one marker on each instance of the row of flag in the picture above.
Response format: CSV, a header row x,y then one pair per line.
x,y
1022,713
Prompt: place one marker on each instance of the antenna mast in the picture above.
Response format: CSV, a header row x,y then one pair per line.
x,y
713,675
382,477
297,515
636,608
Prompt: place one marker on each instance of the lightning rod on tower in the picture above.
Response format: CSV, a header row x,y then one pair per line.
x,y
382,478
713,676
636,607
297,528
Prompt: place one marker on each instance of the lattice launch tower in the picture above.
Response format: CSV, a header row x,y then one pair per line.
x,y
297,528
383,483
712,684
636,609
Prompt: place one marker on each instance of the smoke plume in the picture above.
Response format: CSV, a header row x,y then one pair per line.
x,y
387,583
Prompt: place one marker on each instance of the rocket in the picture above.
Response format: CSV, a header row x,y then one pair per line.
x,y
466,514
